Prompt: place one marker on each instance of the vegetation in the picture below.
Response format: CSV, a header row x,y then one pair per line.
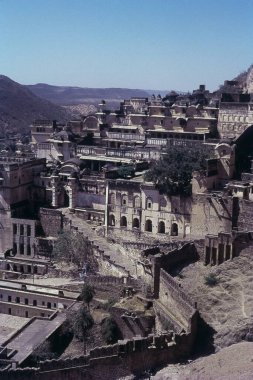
x,y
110,330
211,280
173,173
87,294
109,304
81,322
72,248
42,352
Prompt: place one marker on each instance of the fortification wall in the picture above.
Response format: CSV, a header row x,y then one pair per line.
x,y
174,305
111,362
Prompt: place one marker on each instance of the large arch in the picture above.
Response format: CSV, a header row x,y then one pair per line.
x,y
161,227
136,223
111,220
148,225
123,221
174,229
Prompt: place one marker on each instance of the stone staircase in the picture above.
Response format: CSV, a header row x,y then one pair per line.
x,y
112,252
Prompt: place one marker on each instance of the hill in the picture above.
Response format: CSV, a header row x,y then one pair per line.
x,y
64,95
19,107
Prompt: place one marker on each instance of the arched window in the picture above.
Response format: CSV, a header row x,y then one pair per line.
x,y
136,223
161,227
111,220
112,199
149,204
137,201
124,200
123,221
174,229
148,225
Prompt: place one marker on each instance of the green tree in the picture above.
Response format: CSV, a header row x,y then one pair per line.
x,y
71,247
87,294
172,174
81,322
110,330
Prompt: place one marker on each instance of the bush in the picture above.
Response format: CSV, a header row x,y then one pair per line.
x,y
211,280
110,330
109,304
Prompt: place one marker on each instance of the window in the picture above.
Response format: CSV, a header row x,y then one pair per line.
x,y
112,198
149,203
21,249
9,311
34,302
21,229
43,303
15,229
26,301
124,200
137,201
49,305
17,299
55,305
28,230
28,250
26,314
9,298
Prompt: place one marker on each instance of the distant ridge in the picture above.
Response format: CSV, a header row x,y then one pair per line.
x,y
19,107
70,95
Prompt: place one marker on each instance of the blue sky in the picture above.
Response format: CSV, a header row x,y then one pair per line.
x,y
149,44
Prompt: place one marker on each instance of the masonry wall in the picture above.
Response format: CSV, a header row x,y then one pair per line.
x,y
211,215
130,357
245,215
51,221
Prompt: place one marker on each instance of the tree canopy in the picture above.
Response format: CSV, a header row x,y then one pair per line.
x,y
72,248
87,293
172,174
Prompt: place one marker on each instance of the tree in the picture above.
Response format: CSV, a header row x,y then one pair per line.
x,y
81,321
72,248
87,294
172,174
110,330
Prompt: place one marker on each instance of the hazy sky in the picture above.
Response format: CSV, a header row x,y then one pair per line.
x,y
149,44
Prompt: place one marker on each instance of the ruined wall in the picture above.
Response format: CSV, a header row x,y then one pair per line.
x,y
211,215
51,221
5,231
174,305
245,215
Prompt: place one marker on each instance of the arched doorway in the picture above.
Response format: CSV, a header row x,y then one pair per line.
x,y
161,227
111,220
148,225
123,221
174,229
136,223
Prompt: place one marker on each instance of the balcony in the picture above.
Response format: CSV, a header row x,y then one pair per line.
x,y
125,136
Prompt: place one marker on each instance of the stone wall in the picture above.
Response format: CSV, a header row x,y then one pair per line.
x,y
127,357
245,215
211,214
51,221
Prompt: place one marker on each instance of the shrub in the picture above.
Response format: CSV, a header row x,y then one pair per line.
x,y
211,280
110,330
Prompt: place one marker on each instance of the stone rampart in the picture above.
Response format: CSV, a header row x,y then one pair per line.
x,y
135,356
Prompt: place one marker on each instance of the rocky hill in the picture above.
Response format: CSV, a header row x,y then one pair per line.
x,y
65,95
19,107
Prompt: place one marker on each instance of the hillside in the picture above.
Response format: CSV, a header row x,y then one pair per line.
x,y
65,95
19,107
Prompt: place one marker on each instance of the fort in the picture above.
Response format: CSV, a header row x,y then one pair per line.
x,y
137,233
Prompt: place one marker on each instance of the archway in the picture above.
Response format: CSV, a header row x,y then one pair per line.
x,y
161,227
174,229
111,220
148,225
123,221
136,223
